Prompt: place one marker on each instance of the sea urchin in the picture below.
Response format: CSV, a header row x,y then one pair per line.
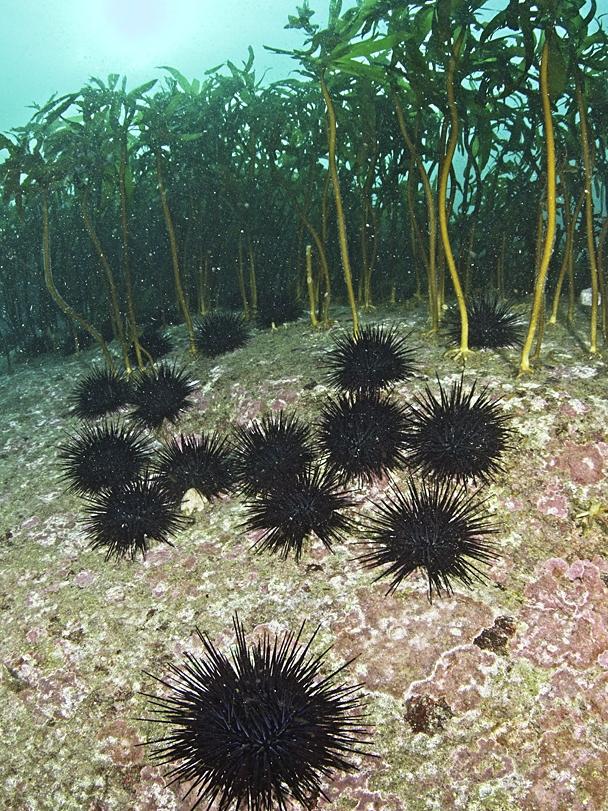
x,y
457,436
160,394
221,332
103,456
156,342
492,324
123,521
371,360
203,463
276,449
363,436
438,528
261,730
101,392
279,305
288,514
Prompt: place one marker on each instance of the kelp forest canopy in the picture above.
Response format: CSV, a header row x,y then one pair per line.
x,y
436,149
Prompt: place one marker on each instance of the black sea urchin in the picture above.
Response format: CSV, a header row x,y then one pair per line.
x,y
103,456
160,394
278,306
101,392
156,342
370,361
124,521
221,332
261,730
459,436
275,450
492,325
363,436
438,528
203,462
290,513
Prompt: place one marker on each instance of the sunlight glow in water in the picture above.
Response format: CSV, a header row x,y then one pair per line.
x,y
55,46
132,33
135,19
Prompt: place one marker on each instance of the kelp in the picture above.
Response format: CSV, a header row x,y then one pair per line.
x,y
417,141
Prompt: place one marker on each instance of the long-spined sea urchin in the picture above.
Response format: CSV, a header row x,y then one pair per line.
x,y
155,341
311,504
492,324
372,360
435,527
103,456
220,332
125,520
459,435
261,730
103,391
204,463
274,450
160,394
363,436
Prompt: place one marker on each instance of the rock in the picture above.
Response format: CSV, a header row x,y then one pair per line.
x,y
585,297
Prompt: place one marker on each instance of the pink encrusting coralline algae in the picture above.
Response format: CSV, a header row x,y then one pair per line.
x,y
495,697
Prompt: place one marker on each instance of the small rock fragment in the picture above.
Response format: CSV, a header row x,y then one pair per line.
x,y
313,567
496,638
192,502
425,714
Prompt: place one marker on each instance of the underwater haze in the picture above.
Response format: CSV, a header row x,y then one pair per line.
x,y
53,46
304,405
